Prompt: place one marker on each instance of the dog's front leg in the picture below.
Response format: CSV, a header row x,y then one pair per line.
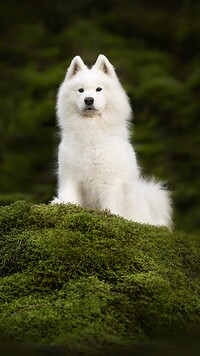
x,y
68,192
112,199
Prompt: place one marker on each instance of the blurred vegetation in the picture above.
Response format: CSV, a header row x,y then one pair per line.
x,y
155,46
96,283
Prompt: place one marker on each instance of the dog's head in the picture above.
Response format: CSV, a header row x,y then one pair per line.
x,y
91,92
88,88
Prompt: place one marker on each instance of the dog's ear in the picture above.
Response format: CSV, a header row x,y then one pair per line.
x,y
75,66
103,64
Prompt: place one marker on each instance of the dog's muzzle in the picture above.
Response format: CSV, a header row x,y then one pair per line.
x,y
89,101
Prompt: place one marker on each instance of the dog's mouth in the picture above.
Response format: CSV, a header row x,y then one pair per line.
x,y
89,108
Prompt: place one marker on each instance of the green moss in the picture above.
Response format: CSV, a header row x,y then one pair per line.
x,y
90,280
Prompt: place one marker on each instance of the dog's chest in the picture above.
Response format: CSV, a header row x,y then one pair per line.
x,y
94,156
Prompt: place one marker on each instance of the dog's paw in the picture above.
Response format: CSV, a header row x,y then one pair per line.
x,y
56,201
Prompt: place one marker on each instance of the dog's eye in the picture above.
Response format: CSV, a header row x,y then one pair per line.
x,y
81,90
98,89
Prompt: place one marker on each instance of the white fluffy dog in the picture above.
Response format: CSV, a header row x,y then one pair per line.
x,y
97,166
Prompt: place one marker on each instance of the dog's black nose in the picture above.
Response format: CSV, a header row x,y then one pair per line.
x,y
89,100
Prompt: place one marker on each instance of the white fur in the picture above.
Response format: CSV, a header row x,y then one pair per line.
x,y
97,166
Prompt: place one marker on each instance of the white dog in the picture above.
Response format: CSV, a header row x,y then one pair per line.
x,y
97,166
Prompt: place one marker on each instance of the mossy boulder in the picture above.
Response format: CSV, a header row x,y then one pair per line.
x,y
93,281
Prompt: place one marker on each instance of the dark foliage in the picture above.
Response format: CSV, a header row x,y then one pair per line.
x,y
155,47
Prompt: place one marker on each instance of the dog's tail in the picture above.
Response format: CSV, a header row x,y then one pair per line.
x,y
159,201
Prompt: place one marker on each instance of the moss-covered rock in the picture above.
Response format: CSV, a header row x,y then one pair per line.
x,y
93,281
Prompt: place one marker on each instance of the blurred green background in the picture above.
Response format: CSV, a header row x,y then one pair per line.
x,y
155,47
